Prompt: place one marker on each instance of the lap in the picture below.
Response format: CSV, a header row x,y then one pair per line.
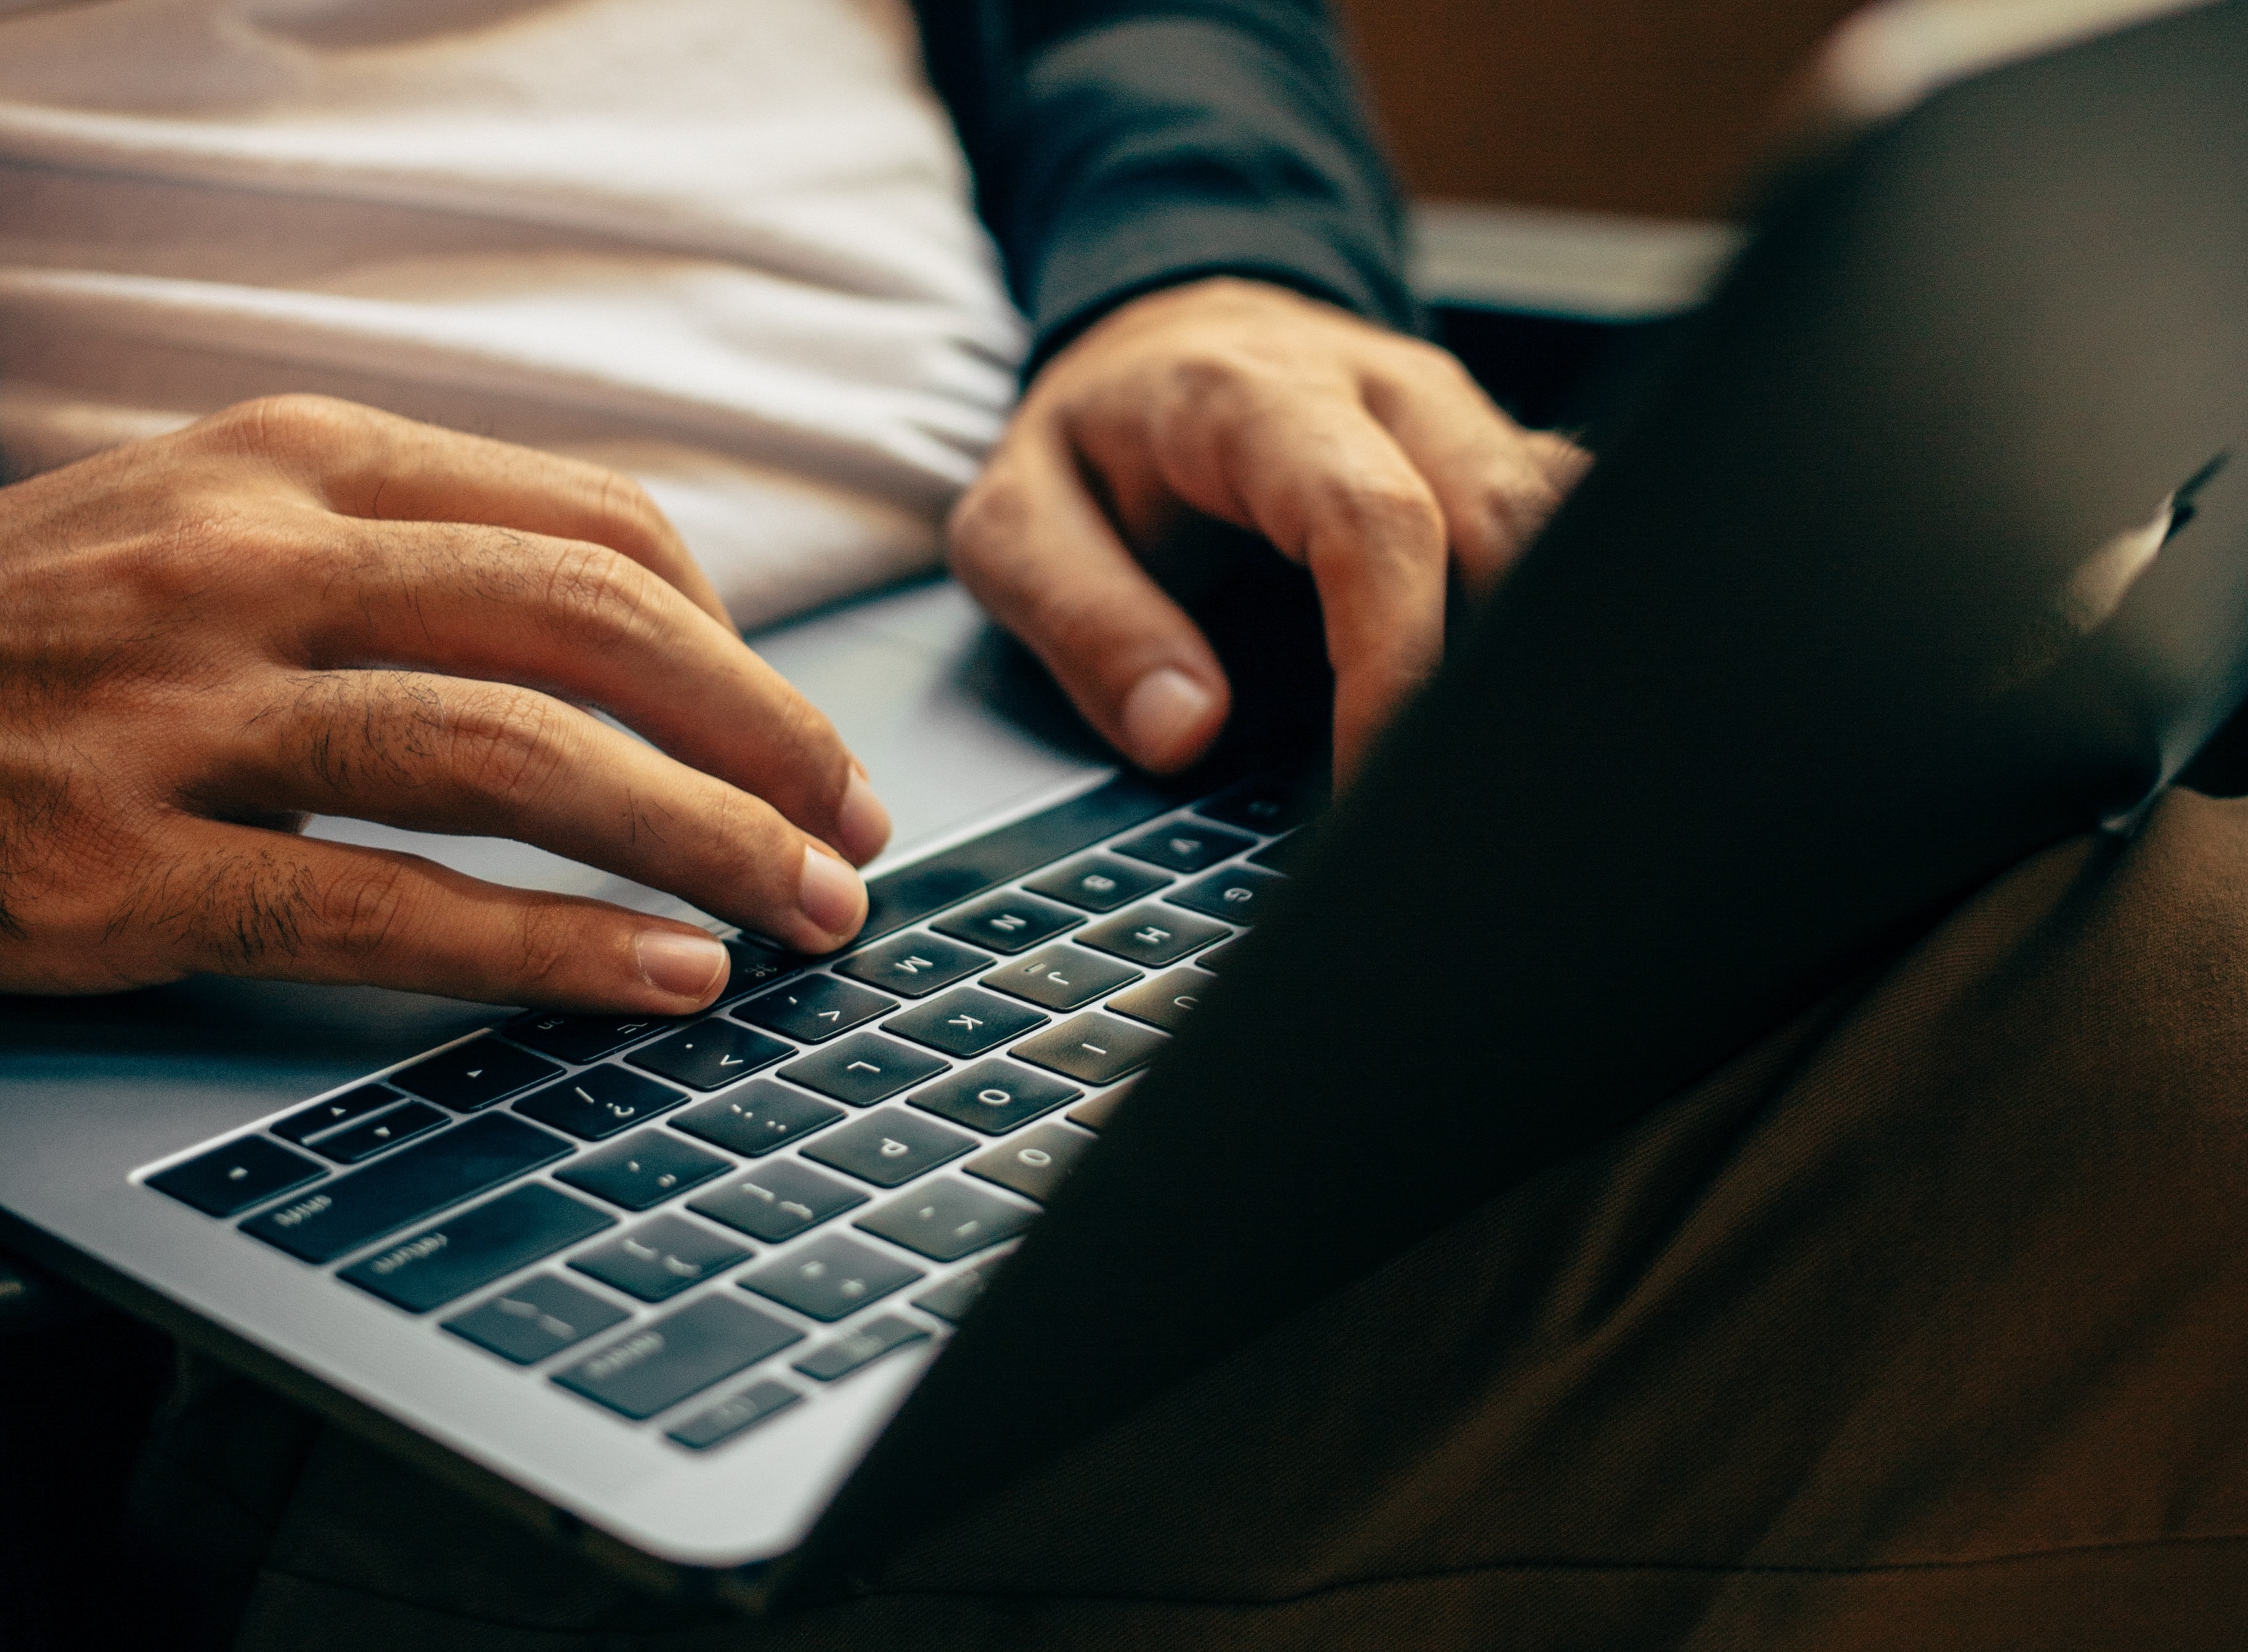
x,y
1923,1323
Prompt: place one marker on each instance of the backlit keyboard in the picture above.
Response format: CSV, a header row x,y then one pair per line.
x,y
818,1171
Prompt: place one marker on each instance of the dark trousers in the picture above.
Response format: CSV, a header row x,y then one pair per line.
x,y
1924,1323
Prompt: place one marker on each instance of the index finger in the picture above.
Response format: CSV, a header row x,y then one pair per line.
x,y
360,462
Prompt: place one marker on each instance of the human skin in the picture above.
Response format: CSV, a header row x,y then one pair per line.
x,y
1370,458
300,606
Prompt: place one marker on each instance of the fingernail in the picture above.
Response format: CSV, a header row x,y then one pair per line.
x,y
1163,717
831,897
687,966
862,823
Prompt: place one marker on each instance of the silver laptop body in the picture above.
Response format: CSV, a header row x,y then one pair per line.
x,y
1803,661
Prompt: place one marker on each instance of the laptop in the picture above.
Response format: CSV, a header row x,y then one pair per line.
x,y
1923,546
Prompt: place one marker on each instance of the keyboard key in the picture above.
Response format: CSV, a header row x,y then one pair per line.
x,y
1184,846
385,1130
1152,935
965,1022
711,1055
596,1104
945,1220
1098,882
659,1365
581,1039
815,1008
1100,1112
1236,894
336,1112
473,1075
1094,1049
756,966
1009,922
442,1264
641,1171
1034,1162
1217,958
1061,977
855,1350
1267,804
863,1069
227,1181
951,1300
831,1278
994,1096
410,1185
778,1201
889,1147
539,1316
755,1119
1286,855
659,1259
912,966
736,1415
1166,1000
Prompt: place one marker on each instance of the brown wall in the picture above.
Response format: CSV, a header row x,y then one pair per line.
x,y
1629,106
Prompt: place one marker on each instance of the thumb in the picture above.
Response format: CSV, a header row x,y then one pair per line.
x,y
1032,544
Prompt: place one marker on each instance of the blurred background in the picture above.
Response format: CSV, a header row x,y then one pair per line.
x,y
1648,108
1575,165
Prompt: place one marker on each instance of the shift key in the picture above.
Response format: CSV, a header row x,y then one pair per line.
x,y
410,1186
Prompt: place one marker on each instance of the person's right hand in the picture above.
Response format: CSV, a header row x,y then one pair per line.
x,y
299,606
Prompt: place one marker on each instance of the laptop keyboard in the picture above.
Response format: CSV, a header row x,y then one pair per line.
x,y
698,1224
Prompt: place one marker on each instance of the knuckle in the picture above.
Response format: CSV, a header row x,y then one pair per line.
x,y
502,741
291,424
1223,373
1386,510
593,594
360,907
620,498
1426,360
990,516
817,754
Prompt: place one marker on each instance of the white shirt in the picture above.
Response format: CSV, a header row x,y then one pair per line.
x,y
725,245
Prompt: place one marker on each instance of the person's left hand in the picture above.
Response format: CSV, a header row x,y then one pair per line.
x,y
1370,458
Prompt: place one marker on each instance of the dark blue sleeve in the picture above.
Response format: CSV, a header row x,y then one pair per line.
x,y
1120,147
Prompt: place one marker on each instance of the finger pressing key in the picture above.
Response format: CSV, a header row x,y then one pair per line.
x,y
518,606
442,754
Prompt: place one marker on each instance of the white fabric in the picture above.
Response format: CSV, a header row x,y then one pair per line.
x,y
725,245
